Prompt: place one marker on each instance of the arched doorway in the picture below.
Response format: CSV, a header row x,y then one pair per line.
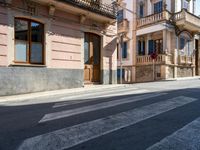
x,y
92,61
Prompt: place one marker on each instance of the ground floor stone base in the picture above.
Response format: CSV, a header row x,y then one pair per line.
x,y
162,72
184,71
20,80
127,72
146,74
109,76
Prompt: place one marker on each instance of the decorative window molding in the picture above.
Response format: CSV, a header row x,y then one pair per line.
x,y
30,7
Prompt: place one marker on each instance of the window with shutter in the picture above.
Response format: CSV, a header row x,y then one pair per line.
x,y
185,46
120,16
151,47
143,48
182,43
139,47
158,7
119,73
124,50
141,10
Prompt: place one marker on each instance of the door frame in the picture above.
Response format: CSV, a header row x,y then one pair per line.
x,y
100,56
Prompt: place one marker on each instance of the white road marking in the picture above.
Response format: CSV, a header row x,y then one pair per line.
x,y
99,106
99,93
71,136
187,138
91,97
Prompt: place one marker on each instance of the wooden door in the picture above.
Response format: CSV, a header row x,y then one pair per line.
x,y
92,58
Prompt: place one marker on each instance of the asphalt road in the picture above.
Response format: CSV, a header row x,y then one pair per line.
x,y
152,116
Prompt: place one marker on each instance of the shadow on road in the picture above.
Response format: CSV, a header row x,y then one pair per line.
x,y
20,122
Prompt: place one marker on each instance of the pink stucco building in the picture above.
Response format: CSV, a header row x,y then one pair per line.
x,y
55,44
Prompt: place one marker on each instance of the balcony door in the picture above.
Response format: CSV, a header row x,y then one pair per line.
x,y
92,46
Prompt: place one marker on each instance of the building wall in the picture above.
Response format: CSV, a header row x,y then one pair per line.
x,y
184,72
3,37
66,42
145,73
129,16
64,52
127,63
178,5
169,72
107,1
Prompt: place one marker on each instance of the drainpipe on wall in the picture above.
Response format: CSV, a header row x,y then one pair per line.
x,y
176,56
121,49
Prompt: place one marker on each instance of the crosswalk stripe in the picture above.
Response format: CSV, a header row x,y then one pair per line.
x,y
91,98
99,106
187,138
71,136
111,91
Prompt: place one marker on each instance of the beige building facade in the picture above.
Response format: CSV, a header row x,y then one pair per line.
x,y
50,44
169,30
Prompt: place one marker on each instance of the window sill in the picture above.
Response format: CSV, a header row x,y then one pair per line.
x,y
26,65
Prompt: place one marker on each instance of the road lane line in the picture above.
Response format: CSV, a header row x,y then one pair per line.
x,y
71,136
90,98
99,106
187,138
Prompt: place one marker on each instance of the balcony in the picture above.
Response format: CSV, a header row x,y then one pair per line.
x,y
186,60
187,21
161,59
146,60
96,7
123,27
152,19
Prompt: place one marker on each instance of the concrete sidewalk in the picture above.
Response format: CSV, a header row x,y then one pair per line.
x,y
87,88
28,96
183,78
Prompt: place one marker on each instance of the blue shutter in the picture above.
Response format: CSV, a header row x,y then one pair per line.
x,y
118,73
155,8
161,6
124,50
182,43
143,50
123,73
189,48
120,15
151,47
139,47
141,11
158,7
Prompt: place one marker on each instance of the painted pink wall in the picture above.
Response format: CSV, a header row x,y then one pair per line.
x,y
66,41
3,37
64,38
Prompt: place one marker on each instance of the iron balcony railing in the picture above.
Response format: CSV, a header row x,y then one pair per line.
x,y
96,7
